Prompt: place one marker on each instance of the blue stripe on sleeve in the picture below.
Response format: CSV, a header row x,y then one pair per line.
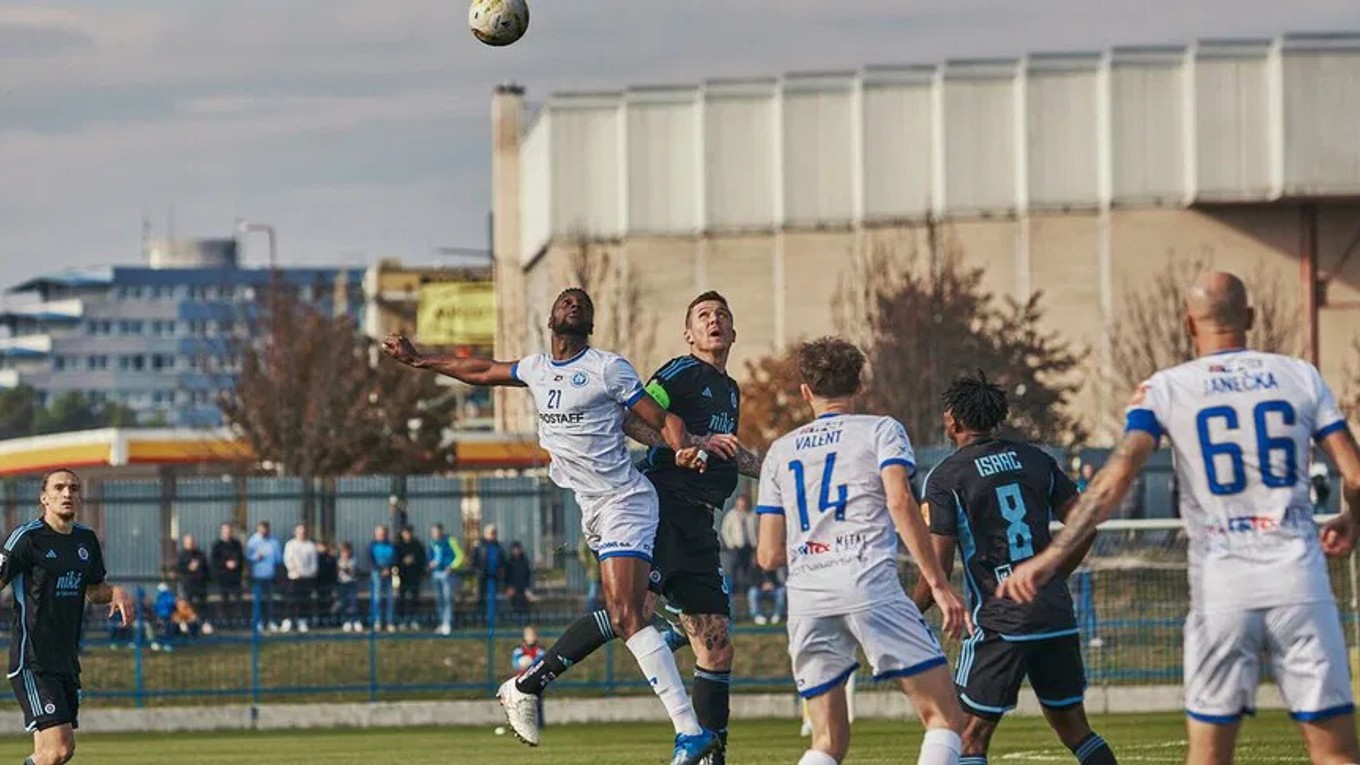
x,y
908,464
1144,420
633,399
769,510
1323,432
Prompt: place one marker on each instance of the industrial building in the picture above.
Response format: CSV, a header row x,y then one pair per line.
x,y
1078,174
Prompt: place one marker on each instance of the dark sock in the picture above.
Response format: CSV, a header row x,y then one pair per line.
x,y
712,692
581,639
28,761
1094,751
972,759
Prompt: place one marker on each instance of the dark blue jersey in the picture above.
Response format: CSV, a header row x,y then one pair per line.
x,y
50,572
997,498
709,402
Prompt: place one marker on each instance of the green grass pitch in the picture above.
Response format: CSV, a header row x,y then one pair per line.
x,y
1158,738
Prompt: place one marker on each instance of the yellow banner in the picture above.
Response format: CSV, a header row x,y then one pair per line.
x,y
457,313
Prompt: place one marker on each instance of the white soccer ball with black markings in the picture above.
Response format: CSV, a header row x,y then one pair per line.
x,y
498,22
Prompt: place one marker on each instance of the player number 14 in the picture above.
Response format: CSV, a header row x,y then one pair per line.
x,y
824,503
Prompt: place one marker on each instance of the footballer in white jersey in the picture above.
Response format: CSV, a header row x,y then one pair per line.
x,y
834,496
1240,423
581,394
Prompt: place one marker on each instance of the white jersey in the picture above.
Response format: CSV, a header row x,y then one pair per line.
x,y
1240,424
825,479
581,404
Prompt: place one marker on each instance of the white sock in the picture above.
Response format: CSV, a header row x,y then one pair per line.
x,y
817,757
658,666
941,746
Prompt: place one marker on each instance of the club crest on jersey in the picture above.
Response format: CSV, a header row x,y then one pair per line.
x,y
83,553
578,380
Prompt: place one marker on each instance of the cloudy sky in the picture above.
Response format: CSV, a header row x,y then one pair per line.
x,y
360,129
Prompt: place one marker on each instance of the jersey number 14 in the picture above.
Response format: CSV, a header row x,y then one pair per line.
x,y
824,503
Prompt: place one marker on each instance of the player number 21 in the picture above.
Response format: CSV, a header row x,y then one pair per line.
x,y
824,503
554,399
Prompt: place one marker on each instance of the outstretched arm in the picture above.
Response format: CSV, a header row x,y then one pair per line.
x,y
1100,499
472,371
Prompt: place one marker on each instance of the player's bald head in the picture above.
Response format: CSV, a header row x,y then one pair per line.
x,y
1219,299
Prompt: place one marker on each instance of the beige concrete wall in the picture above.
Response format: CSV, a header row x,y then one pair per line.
x,y
782,286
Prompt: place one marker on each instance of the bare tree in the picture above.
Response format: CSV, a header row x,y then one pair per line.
x,y
623,324
310,395
923,318
1149,334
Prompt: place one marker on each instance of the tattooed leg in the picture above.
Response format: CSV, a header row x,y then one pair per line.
x,y
712,669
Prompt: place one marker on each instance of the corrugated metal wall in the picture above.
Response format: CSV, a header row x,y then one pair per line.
x,y
663,161
819,149
1147,99
1062,131
1132,127
1320,83
535,186
586,164
899,145
1232,121
741,143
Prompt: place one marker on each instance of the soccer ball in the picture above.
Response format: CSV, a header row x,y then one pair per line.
x,y
498,22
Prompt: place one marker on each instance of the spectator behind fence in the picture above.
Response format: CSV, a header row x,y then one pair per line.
x,y
519,581
767,586
382,558
446,560
186,618
398,519
347,583
411,568
192,568
228,563
591,565
164,608
488,558
299,557
265,554
739,526
524,655
326,577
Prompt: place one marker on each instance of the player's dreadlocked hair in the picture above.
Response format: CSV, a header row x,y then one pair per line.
x,y
976,404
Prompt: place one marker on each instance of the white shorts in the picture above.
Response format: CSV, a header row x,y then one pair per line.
x,y
896,641
1307,652
621,523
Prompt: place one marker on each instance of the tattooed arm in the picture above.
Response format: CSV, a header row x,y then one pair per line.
x,y
1095,505
748,462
